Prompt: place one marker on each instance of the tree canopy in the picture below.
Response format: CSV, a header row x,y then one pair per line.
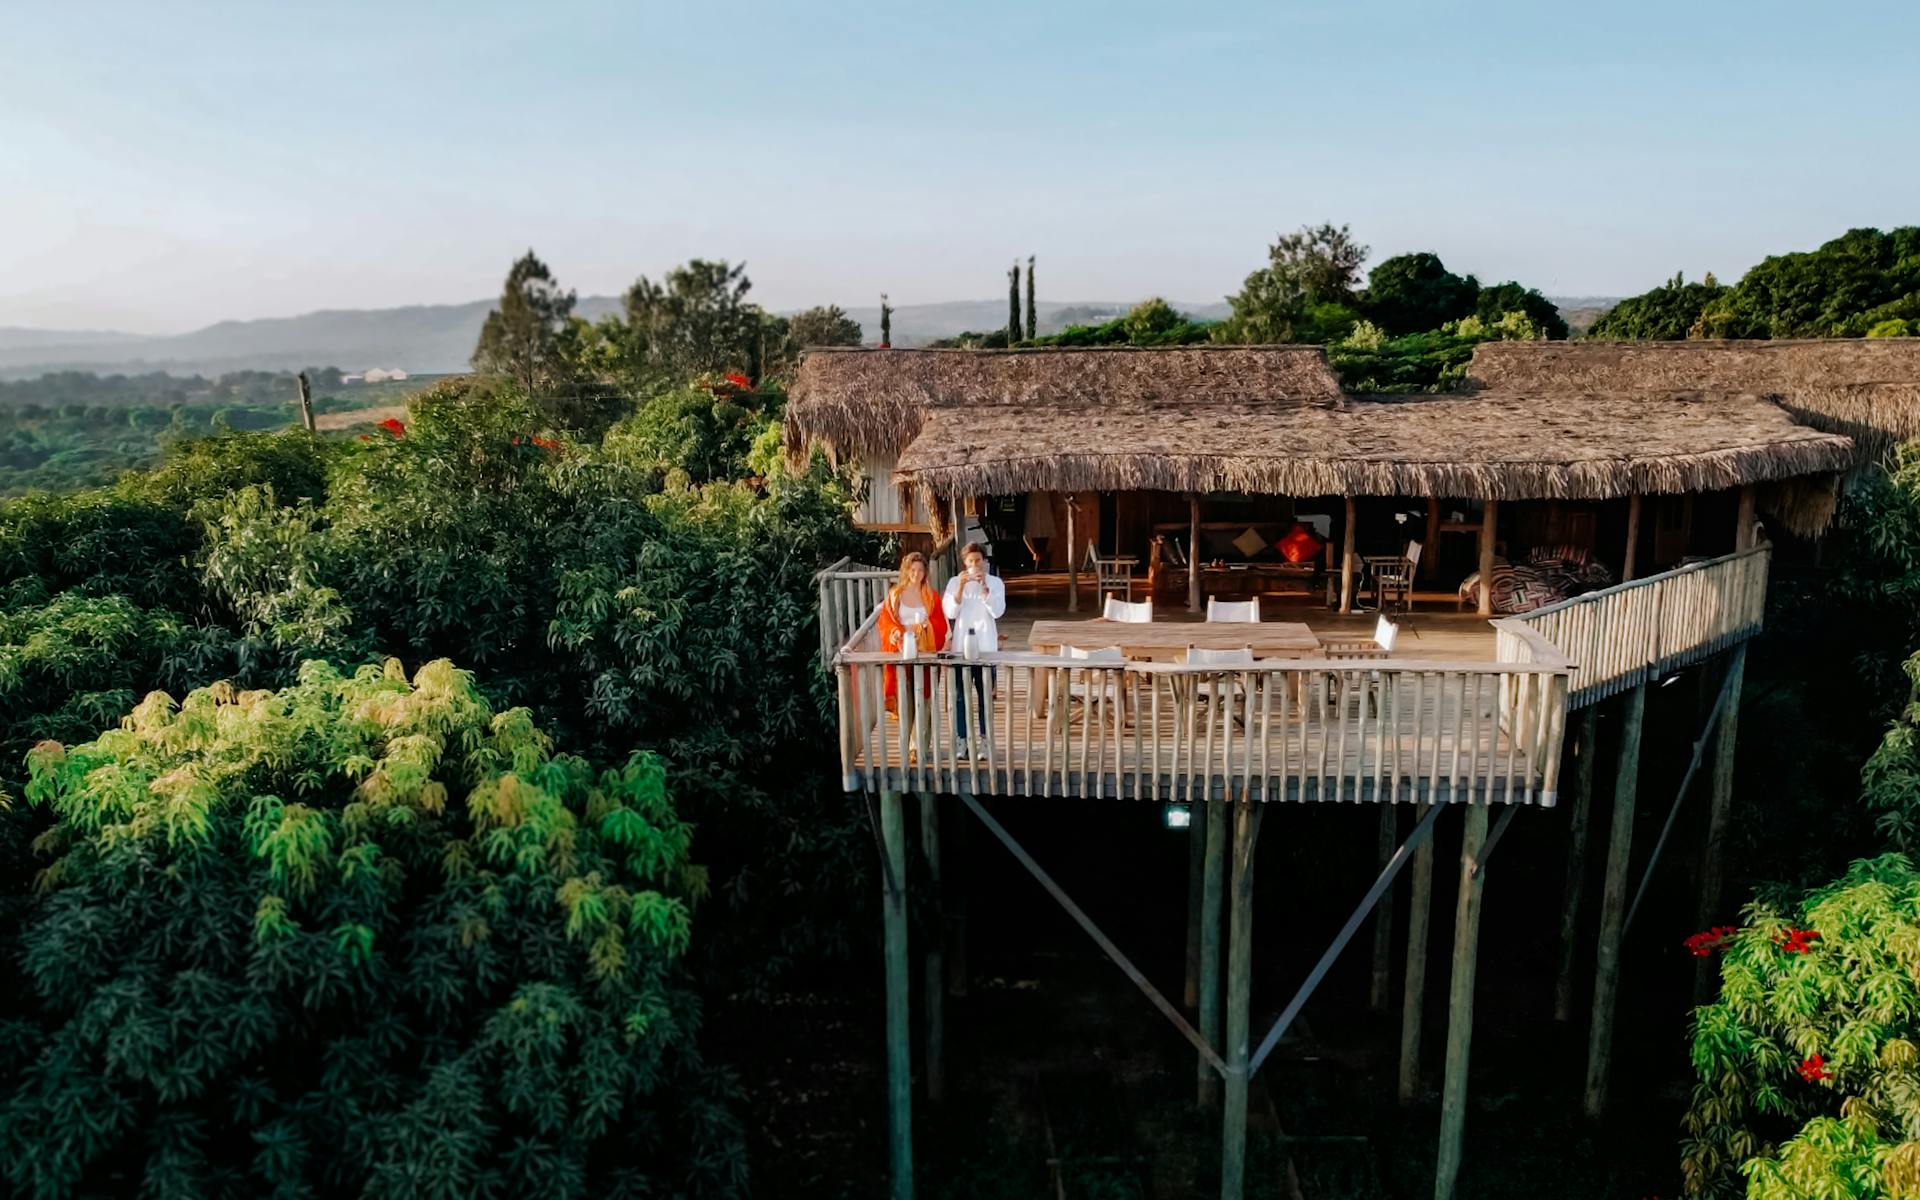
x,y
1415,293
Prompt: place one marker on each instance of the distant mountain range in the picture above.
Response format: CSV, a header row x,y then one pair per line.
x,y
438,338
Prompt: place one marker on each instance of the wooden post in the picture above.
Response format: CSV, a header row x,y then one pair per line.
x,y
899,1035
1196,897
935,967
1466,952
1584,748
1613,904
1489,524
1073,560
1633,537
953,861
1713,870
1346,560
1387,843
1212,894
1743,531
1233,1134
1193,553
1430,553
1413,994
306,401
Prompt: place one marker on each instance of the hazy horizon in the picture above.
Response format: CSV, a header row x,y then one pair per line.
x,y
171,167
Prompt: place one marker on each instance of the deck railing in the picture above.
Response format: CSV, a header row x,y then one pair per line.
x,y
850,596
1639,631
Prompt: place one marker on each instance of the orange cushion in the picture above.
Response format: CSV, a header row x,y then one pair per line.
x,y
1300,544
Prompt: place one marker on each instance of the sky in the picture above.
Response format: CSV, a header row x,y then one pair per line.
x,y
165,165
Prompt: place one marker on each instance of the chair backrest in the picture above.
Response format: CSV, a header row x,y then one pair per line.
x,y
1385,634
1413,557
1136,612
1104,654
1200,656
1236,612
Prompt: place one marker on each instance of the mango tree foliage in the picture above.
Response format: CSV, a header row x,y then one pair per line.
x,y
361,935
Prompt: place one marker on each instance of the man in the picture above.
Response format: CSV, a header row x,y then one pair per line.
x,y
975,599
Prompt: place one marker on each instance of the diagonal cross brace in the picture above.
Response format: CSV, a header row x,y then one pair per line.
x,y
1420,834
1693,767
1106,944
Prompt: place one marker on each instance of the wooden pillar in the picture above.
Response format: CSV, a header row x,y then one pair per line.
x,y
1233,1133
1633,537
1583,752
1073,559
893,835
1613,903
1193,553
1430,553
953,860
1743,531
1466,952
1713,868
1346,560
1413,993
1196,897
1212,894
1489,525
935,980
1387,843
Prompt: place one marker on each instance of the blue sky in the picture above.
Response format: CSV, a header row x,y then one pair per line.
x,y
165,165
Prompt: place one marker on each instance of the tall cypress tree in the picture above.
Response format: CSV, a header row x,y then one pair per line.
x,y
886,322
1033,317
1013,303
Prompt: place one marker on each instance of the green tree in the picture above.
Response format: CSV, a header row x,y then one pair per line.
x,y
1315,266
826,325
1014,333
521,338
361,935
1033,313
1497,301
886,322
1667,313
695,322
1413,293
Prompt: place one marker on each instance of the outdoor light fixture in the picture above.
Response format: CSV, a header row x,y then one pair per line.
x,y
1179,816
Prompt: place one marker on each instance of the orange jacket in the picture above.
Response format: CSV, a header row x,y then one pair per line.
x,y
893,633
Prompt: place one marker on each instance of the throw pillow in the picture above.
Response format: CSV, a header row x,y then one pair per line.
x,y
1300,544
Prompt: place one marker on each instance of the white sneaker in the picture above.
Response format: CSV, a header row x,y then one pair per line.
x,y
980,752
960,750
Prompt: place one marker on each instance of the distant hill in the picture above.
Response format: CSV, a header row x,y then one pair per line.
x,y
434,338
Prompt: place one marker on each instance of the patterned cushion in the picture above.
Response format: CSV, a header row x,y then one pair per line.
x,y
1300,545
1249,544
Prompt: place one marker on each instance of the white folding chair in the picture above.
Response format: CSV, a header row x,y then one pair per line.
x,y
1129,612
1204,691
1386,635
1112,573
1393,578
1090,689
1234,612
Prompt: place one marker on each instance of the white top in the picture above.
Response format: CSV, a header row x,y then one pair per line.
x,y
972,608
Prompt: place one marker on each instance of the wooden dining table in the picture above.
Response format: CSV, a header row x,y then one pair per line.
x,y
1167,641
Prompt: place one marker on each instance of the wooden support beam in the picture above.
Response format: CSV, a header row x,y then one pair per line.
x,y
1196,894
935,983
1583,754
1413,992
1633,537
1466,953
893,835
1193,553
953,862
1613,903
1430,553
1347,560
1388,842
1233,1133
1713,868
1213,892
1489,526
1743,538
1073,558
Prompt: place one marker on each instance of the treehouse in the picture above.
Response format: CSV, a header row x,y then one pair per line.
x,y
1580,520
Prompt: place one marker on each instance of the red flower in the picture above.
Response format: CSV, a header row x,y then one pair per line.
x,y
394,426
738,380
1706,942
545,443
1797,941
1814,1069
366,437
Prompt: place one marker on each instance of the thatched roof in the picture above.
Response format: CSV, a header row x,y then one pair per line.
x,y
1865,388
870,403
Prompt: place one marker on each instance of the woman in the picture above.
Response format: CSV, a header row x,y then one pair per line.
x,y
911,610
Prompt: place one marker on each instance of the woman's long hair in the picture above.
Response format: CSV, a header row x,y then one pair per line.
x,y
906,580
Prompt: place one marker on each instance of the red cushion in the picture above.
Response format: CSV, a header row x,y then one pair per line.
x,y
1300,544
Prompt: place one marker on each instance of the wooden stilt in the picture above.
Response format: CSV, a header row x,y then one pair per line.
x,y
893,834
1073,558
1743,531
1613,904
1378,996
1413,993
935,965
1489,526
1713,868
1193,553
1633,537
1233,1136
953,854
1212,895
1466,952
1583,754
1430,556
1196,895
1347,560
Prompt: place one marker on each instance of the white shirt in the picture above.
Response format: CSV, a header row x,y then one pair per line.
x,y
970,611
